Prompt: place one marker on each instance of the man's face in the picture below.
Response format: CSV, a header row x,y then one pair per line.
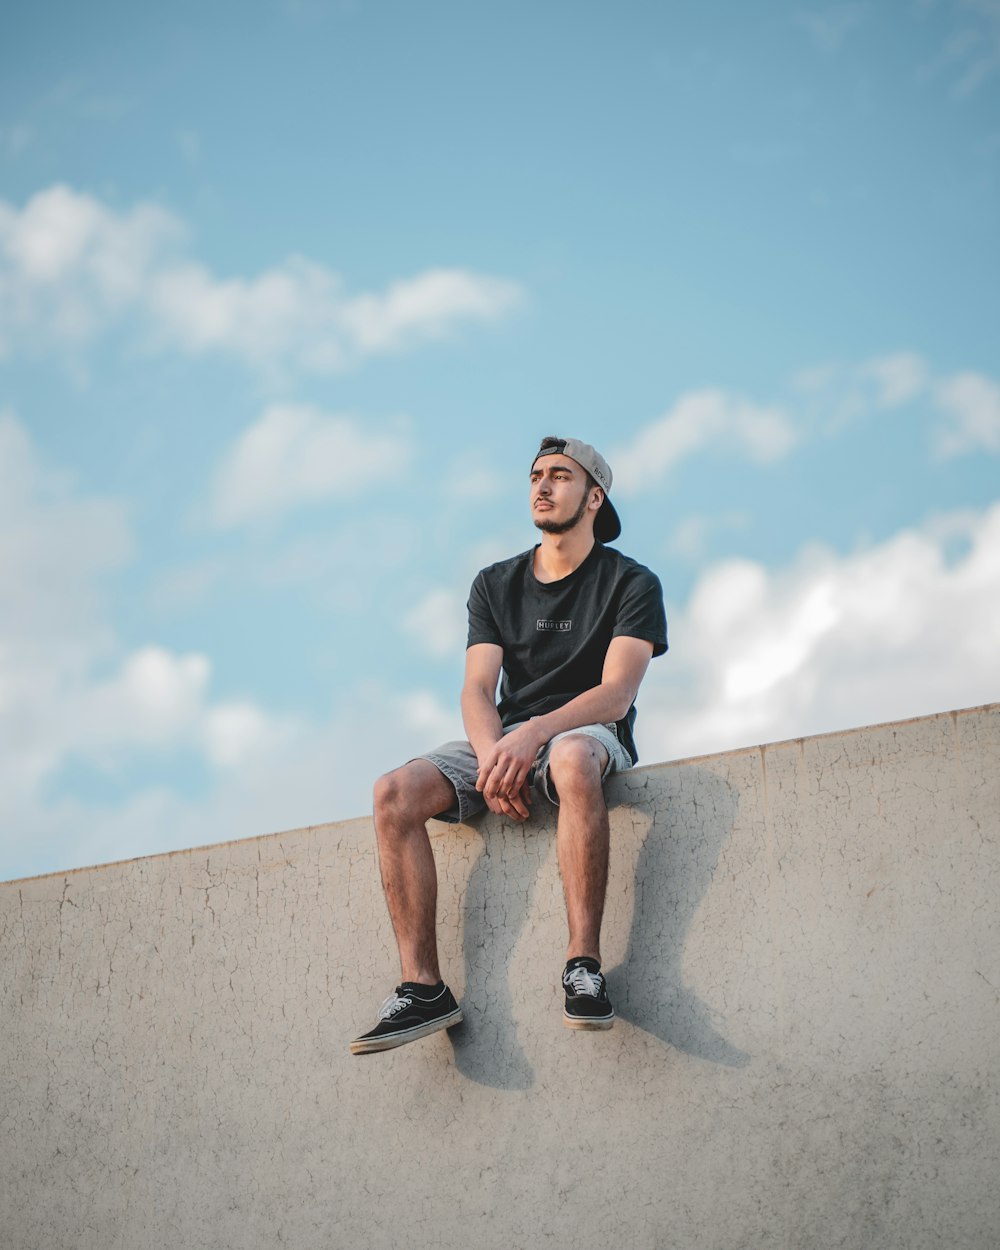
x,y
559,494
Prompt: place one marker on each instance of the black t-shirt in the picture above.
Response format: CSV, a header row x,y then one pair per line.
x,y
555,635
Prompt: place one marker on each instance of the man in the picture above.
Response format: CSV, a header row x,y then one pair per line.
x,y
571,625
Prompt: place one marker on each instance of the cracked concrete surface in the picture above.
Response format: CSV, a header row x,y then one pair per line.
x,y
803,949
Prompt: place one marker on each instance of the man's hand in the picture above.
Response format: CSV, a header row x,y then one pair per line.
x,y
503,772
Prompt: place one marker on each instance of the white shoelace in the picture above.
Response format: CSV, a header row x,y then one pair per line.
x,y
584,981
393,1004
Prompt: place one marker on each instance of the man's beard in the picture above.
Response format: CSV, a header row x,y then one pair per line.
x,y
562,527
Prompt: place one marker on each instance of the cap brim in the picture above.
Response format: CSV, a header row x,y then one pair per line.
x,y
607,526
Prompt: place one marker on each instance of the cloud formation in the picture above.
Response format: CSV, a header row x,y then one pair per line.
x,y
966,404
438,623
971,404
698,420
902,629
297,454
71,267
823,398
68,691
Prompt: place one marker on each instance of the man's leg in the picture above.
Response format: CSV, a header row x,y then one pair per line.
x,y
576,765
405,800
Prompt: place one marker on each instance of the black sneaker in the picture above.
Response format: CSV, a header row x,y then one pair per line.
x,y
587,1005
410,1012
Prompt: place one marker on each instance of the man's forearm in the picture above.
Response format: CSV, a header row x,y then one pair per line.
x,y
599,706
481,719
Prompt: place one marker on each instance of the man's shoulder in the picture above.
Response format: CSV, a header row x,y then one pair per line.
x,y
503,570
625,566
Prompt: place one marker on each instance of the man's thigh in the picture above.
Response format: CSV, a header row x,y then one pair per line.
x,y
457,764
420,788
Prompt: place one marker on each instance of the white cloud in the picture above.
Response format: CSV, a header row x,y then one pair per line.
x,y
711,419
903,629
972,404
70,693
237,733
70,267
438,623
832,396
157,701
68,690
56,548
424,713
898,378
295,454
425,307
153,700
306,775
969,402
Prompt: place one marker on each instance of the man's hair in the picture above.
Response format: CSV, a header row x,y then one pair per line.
x,y
552,443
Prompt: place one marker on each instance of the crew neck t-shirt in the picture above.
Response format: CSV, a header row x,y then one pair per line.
x,y
555,635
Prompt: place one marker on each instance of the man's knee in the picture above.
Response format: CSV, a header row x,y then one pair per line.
x,y
577,762
416,790
391,791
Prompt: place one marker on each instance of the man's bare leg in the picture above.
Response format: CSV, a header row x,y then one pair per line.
x,y
405,800
582,838
576,764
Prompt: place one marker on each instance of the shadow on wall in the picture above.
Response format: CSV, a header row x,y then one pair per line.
x,y
687,829
487,1049
690,825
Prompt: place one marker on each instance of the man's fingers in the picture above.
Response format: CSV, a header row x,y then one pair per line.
x,y
503,807
507,780
519,802
513,805
502,778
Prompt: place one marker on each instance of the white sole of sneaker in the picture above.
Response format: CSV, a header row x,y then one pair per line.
x,y
371,1045
581,1022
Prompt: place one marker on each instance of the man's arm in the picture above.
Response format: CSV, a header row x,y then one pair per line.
x,y
504,769
483,661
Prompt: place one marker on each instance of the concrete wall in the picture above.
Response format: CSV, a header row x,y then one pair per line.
x,y
806,963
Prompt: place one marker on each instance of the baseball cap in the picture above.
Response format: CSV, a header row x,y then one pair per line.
x,y
607,526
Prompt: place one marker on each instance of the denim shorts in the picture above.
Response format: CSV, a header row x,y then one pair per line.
x,y
458,762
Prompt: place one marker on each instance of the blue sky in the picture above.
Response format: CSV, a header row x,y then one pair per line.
x,y
289,293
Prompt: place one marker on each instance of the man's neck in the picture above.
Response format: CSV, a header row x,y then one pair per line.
x,y
559,554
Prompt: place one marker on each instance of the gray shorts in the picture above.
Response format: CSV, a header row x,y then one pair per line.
x,y
458,762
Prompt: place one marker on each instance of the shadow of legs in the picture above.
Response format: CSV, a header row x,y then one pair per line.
x,y
673,872
486,1045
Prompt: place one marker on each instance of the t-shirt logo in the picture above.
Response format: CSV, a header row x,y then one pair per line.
x,y
553,627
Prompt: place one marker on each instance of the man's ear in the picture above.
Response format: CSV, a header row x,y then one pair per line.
x,y
598,495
